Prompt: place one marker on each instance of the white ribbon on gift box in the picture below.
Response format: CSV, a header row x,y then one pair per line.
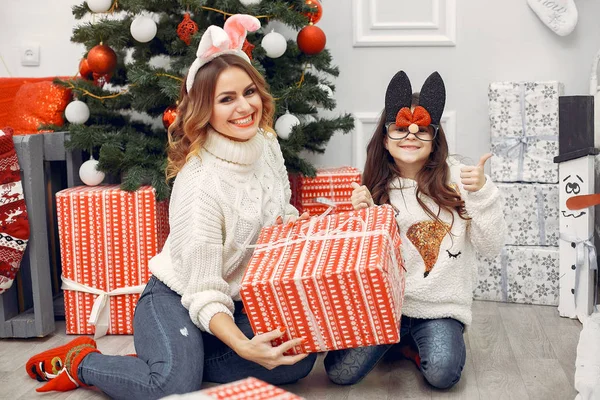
x,y
541,217
581,245
99,316
505,146
323,234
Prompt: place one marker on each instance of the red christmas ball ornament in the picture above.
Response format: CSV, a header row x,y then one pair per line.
x,y
311,40
100,80
315,15
102,59
169,116
84,69
247,48
186,29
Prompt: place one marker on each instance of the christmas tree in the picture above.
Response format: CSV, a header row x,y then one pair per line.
x,y
138,52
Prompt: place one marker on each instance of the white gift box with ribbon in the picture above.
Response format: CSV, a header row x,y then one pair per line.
x,y
524,131
520,274
531,213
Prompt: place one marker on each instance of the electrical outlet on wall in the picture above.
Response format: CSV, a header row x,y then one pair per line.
x,y
30,54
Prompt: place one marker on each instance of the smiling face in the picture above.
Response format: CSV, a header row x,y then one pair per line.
x,y
572,185
237,108
409,153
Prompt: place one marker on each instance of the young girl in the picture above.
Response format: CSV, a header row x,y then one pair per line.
x,y
230,180
446,212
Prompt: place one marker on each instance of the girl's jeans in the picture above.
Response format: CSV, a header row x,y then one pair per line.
x,y
440,344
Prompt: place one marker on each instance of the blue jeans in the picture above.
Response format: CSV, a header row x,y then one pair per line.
x,y
174,356
440,344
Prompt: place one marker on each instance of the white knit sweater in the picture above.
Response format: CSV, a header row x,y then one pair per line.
x,y
441,270
220,201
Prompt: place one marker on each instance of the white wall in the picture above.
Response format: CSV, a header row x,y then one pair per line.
x,y
49,23
495,40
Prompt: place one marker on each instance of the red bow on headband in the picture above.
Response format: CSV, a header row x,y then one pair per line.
x,y
419,117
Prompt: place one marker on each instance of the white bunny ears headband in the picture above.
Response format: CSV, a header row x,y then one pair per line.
x,y
217,41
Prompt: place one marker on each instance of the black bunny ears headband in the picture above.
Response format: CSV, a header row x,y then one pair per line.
x,y
398,96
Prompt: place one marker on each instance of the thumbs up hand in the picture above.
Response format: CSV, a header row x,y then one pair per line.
x,y
361,197
473,177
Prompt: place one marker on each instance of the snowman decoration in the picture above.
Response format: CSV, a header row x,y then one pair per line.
x,y
578,262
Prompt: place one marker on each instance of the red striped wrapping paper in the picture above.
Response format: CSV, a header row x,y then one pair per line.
x,y
336,280
248,389
107,236
331,185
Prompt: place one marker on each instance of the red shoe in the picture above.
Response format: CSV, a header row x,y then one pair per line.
x,y
59,365
411,353
46,365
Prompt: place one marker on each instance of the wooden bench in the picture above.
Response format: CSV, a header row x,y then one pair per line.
x,y
36,153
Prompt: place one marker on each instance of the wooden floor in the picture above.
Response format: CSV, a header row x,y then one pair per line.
x,y
513,352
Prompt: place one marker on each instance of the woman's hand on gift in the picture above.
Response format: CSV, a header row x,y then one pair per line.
x,y
290,219
361,197
260,350
473,177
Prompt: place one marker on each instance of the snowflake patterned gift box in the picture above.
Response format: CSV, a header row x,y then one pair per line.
x,y
531,213
332,187
107,236
520,274
336,280
524,131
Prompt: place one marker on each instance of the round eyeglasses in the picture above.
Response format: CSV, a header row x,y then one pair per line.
x,y
425,133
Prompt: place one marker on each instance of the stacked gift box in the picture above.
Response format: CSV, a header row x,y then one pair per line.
x,y
524,139
107,236
331,187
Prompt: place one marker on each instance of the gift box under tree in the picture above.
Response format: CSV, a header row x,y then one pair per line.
x,y
337,281
332,187
520,274
524,130
107,236
531,213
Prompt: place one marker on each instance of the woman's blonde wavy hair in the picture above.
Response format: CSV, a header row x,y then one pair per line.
x,y
188,132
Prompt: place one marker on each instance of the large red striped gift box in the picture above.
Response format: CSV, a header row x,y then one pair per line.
x,y
330,188
247,389
107,236
337,280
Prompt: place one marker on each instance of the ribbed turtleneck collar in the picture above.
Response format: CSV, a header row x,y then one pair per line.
x,y
244,153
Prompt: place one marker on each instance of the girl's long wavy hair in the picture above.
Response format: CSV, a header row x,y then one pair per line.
x,y
188,132
432,179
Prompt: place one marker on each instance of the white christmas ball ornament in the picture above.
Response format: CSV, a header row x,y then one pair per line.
x,y
89,174
77,112
99,6
284,125
250,2
326,89
143,29
274,44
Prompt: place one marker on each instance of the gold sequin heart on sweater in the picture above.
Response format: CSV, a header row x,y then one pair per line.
x,y
427,237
